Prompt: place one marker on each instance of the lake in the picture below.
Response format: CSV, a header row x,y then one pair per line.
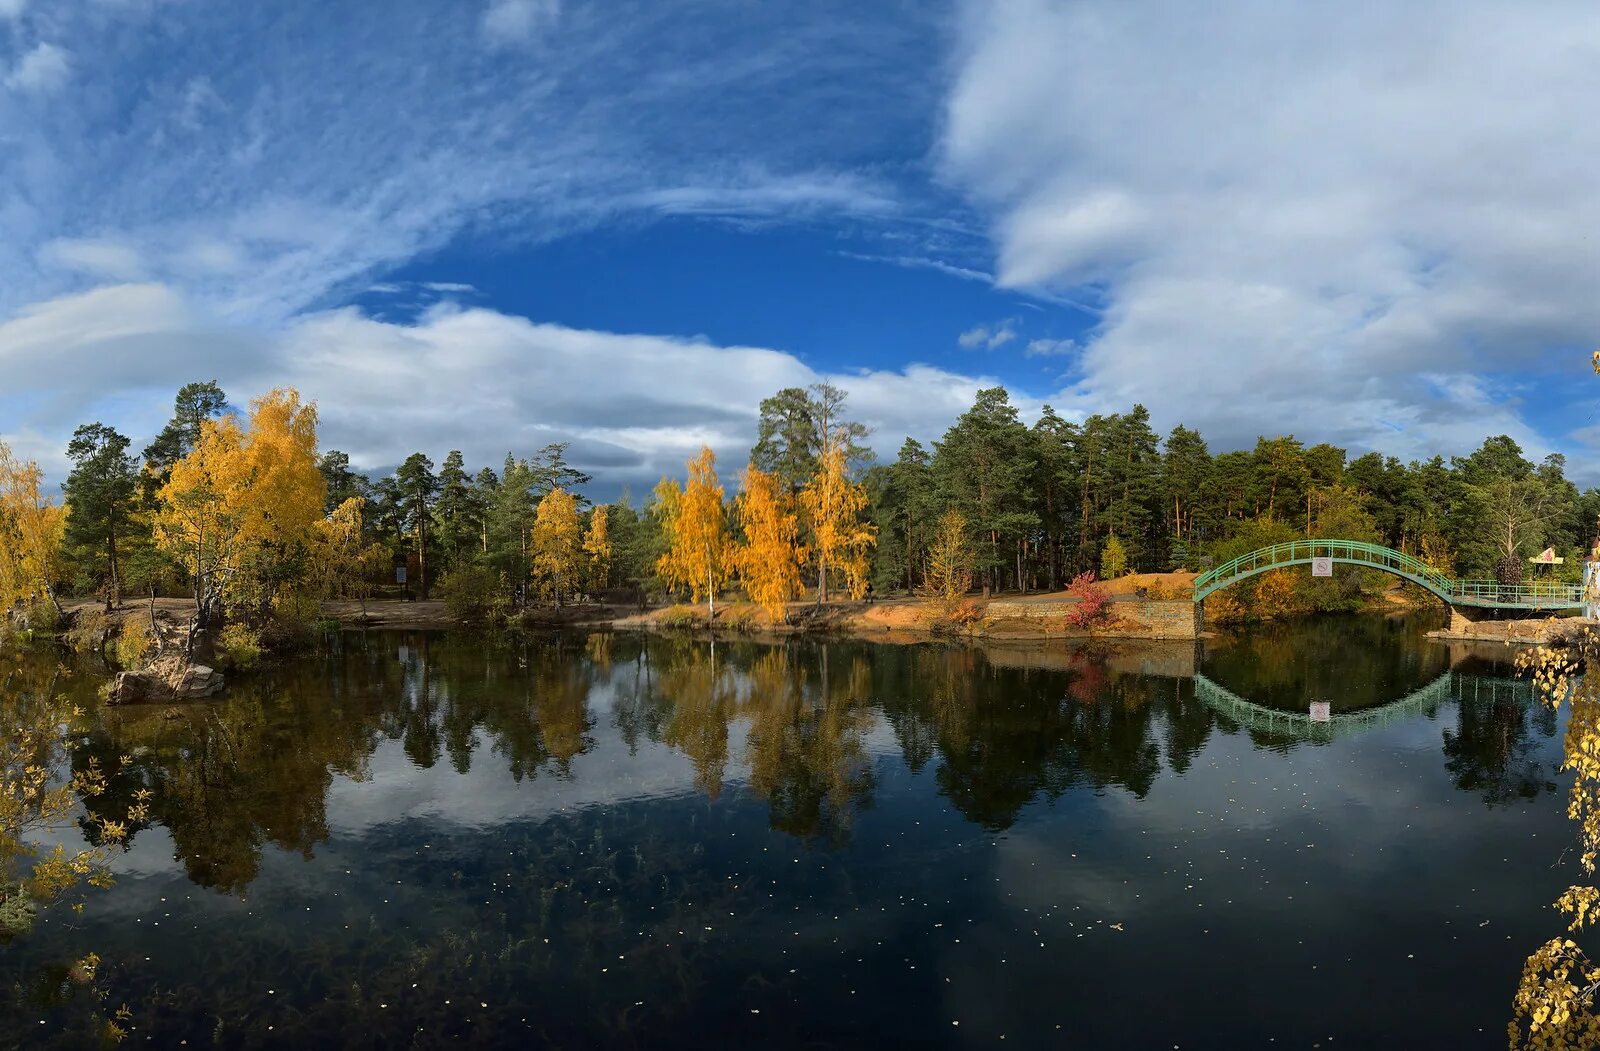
x,y
641,841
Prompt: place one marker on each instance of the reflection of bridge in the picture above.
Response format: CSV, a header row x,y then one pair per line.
x,y
1449,686
1490,594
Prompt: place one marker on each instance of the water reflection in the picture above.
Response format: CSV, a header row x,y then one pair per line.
x,y
793,725
500,823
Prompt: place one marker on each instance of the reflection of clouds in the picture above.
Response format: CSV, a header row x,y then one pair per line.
x,y
486,795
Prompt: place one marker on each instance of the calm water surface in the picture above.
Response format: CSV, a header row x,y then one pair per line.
x,y
620,841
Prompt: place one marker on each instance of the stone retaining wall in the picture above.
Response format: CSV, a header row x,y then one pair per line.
x,y
1129,618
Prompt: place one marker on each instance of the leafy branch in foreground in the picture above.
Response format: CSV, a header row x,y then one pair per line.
x,y
1554,1006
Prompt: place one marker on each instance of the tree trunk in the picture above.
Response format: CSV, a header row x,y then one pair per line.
x,y
422,555
114,589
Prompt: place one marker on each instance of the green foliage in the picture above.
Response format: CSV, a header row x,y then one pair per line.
x,y
1113,559
88,632
99,493
134,641
239,647
475,595
681,618
982,468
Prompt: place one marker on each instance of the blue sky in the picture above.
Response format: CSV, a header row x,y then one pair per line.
x,y
490,224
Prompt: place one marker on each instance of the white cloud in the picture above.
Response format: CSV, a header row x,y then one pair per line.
x,y
986,337
267,178
519,20
12,8
40,71
1294,216
96,257
634,406
1045,348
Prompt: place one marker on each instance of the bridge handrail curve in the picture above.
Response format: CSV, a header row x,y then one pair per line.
x,y
1357,552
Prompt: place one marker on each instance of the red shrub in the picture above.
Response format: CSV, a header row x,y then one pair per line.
x,y
1091,598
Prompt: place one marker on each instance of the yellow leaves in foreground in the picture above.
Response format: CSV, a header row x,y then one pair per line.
x,y
1555,1000
769,559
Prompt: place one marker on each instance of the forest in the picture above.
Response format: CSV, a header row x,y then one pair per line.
x,y
242,511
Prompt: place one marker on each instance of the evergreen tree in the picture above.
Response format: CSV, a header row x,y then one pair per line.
x,y
418,486
342,482
99,495
983,467
195,403
457,512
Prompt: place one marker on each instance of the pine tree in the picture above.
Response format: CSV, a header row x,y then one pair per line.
x,y
100,495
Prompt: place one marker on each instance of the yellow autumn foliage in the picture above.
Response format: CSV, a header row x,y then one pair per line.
x,y
1554,1005
244,504
597,546
769,559
30,533
557,545
841,538
698,555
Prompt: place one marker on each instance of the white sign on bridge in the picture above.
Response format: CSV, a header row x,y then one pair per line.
x,y
1322,711
1322,567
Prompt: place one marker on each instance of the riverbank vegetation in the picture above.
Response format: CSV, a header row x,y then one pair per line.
x,y
246,514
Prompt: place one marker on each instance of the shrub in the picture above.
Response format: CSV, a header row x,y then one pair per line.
x,y
88,631
133,643
238,648
961,617
475,595
741,618
1092,598
680,618
1160,591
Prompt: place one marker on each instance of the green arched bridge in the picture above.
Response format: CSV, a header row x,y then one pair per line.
x,y
1488,594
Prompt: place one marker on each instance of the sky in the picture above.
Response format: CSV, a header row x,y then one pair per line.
x,y
494,224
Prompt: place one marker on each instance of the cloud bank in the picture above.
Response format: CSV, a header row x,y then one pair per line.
x,y
634,407
1332,222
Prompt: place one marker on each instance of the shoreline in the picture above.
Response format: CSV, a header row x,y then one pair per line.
x,y
1013,619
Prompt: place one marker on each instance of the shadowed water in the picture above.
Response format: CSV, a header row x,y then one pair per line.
x,y
640,841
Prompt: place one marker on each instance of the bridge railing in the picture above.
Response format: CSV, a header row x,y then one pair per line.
x,y
1528,593
1296,551
1532,594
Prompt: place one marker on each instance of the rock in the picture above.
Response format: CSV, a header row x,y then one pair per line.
x,y
179,684
137,687
199,681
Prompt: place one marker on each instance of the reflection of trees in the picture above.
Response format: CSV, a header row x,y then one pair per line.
x,y
700,698
1009,736
228,778
253,769
807,749
1358,661
1493,751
